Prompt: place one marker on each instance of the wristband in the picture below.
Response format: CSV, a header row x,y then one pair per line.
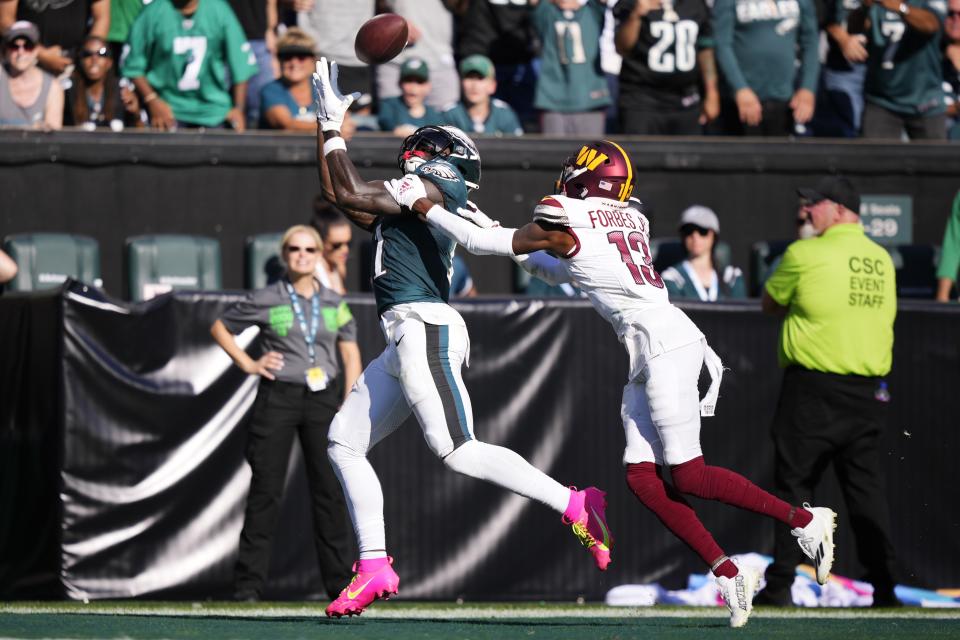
x,y
333,144
150,97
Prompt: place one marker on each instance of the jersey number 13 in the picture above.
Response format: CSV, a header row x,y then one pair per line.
x,y
643,273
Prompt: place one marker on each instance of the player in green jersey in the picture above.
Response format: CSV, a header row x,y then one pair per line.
x,y
419,372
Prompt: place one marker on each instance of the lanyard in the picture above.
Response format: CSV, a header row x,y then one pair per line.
x,y
310,335
703,294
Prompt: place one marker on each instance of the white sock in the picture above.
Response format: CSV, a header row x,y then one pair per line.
x,y
506,468
361,488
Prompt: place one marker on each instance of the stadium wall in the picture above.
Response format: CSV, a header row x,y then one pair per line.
x,y
122,439
112,186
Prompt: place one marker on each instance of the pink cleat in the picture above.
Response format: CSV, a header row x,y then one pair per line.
x,y
374,579
586,515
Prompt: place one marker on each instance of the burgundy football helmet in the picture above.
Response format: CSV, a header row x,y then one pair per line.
x,y
600,169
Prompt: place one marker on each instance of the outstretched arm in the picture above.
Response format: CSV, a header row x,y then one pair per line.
x,y
349,190
541,265
410,193
360,218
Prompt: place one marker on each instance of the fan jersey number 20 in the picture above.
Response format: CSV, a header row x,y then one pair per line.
x,y
682,37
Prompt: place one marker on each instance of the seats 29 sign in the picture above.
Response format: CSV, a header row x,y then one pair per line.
x,y
888,219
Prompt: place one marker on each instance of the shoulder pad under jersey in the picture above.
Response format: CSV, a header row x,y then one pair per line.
x,y
573,212
561,210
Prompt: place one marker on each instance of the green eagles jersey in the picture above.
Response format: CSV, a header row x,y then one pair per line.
x,y
756,46
394,112
501,121
413,262
122,15
904,72
570,75
185,59
949,266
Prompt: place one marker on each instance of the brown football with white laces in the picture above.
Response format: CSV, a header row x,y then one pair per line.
x,y
381,38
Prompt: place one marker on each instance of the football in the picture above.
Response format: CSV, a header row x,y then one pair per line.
x,y
381,38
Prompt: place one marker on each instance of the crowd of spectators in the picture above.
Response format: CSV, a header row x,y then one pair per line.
x,y
831,68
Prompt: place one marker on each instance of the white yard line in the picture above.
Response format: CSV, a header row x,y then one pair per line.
x,y
481,613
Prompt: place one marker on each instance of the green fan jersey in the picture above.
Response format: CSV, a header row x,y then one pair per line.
x,y
185,59
904,72
571,79
502,119
412,261
122,15
757,44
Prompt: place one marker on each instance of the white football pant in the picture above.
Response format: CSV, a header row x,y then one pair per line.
x,y
419,372
661,408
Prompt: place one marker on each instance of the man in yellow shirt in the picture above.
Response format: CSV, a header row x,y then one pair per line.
x,y
837,292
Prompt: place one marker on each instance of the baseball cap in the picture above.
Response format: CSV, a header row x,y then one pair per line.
x,y
701,216
414,68
22,29
477,64
834,188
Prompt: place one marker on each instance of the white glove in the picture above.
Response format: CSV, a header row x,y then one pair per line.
x,y
406,190
331,104
477,217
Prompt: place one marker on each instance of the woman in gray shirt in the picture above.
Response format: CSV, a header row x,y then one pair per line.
x,y
29,97
303,326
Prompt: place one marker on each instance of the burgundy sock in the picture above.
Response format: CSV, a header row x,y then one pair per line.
x,y
646,481
799,517
716,483
726,569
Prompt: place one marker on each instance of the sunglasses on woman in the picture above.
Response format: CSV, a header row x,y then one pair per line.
x,y
102,52
689,229
24,45
295,249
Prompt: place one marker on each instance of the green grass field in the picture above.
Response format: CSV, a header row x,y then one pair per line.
x,y
408,621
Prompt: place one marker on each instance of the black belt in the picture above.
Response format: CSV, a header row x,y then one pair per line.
x,y
293,388
830,375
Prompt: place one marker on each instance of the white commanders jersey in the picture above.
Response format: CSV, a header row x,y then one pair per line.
x,y
612,265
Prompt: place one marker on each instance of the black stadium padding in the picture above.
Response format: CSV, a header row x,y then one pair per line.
x,y
112,186
122,472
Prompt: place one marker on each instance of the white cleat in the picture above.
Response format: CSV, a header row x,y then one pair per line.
x,y
738,593
816,540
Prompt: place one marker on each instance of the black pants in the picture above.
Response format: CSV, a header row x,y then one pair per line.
x,y
777,119
880,123
823,418
682,122
280,411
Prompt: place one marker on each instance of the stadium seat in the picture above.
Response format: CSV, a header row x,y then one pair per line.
x,y
160,263
263,260
45,260
916,266
669,251
763,259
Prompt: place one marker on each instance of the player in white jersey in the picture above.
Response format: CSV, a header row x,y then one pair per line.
x,y
600,243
